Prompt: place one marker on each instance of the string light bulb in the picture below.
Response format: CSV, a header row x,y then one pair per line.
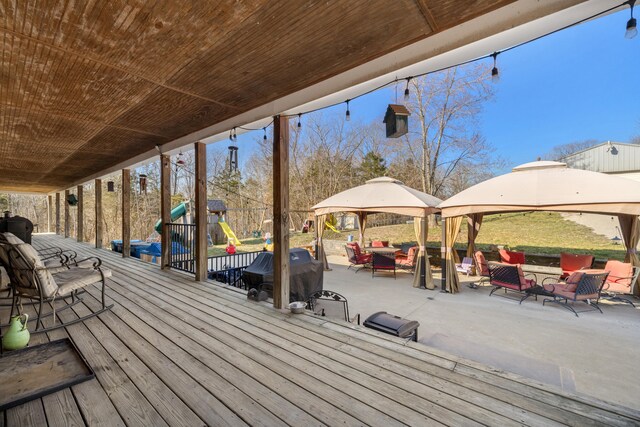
x,y
231,135
632,30
265,133
299,117
180,162
406,91
347,115
235,134
495,74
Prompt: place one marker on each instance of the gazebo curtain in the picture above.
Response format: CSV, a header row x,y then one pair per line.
x,y
320,220
474,221
452,229
422,265
630,228
362,226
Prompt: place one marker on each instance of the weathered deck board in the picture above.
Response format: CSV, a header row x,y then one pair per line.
x,y
177,352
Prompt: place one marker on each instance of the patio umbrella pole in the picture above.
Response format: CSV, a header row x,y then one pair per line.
x,y
443,255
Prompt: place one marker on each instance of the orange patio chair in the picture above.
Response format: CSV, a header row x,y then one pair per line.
x,y
511,257
572,262
407,262
621,281
582,286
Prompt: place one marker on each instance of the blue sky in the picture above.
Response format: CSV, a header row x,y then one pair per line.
x,y
580,83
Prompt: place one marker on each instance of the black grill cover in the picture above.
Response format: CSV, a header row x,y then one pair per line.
x,y
18,226
305,275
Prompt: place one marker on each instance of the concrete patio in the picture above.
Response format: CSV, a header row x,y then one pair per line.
x,y
594,354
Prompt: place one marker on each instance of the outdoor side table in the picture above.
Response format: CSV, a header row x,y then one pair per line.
x,y
393,325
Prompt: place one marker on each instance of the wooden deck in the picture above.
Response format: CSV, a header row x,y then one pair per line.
x,y
176,352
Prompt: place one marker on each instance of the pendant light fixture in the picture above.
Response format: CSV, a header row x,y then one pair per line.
x,y
632,30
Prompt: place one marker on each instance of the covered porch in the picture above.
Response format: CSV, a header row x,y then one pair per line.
x,y
177,352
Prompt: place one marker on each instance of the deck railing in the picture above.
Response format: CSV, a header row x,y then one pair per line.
x,y
183,247
228,268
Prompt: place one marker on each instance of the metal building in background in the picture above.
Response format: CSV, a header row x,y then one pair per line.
x,y
609,157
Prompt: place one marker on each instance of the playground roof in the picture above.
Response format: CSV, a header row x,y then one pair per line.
x,y
94,87
382,194
548,186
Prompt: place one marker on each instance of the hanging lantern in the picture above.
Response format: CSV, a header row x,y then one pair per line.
x,y
111,186
233,158
143,183
397,120
180,162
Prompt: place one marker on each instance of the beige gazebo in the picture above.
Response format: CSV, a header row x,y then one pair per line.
x,y
542,186
387,195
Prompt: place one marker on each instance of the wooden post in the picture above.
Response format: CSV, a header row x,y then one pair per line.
x,y
80,226
443,255
201,211
67,214
126,213
49,212
98,185
165,208
281,212
57,213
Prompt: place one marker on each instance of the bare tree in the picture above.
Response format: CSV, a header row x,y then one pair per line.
x,y
444,138
561,151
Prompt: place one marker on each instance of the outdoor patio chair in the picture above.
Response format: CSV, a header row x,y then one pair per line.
x,y
573,262
407,262
482,267
620,281
580,286
510,278
511,257
355,260
384,262
331,304
31,280
465,266
380,243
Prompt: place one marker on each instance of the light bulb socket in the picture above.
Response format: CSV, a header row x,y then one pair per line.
x,y
495,74
347,115
632,29
299,123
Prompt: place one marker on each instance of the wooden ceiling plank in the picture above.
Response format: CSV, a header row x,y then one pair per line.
x,y
115,67
428,16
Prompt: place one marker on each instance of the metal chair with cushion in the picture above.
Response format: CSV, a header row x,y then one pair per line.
x,y
573,262
407,262
355,260
31,280
510,278
331,304
465,266
583,286
384,262
511,257
621,281
482,267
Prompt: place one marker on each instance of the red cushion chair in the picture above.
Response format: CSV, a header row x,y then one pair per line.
x,y
572,262
621,280
482,268
511,257
509,277
408,261
380,244
582,286
355,259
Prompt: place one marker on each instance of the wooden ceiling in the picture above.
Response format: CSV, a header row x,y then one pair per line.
x,y
85,85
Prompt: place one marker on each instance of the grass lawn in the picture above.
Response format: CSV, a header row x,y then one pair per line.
x,y
534,233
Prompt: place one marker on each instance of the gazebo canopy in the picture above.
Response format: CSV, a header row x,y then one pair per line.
x,y
382,194
547,186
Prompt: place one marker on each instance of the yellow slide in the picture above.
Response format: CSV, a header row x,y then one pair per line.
x,y
229,233
331,227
